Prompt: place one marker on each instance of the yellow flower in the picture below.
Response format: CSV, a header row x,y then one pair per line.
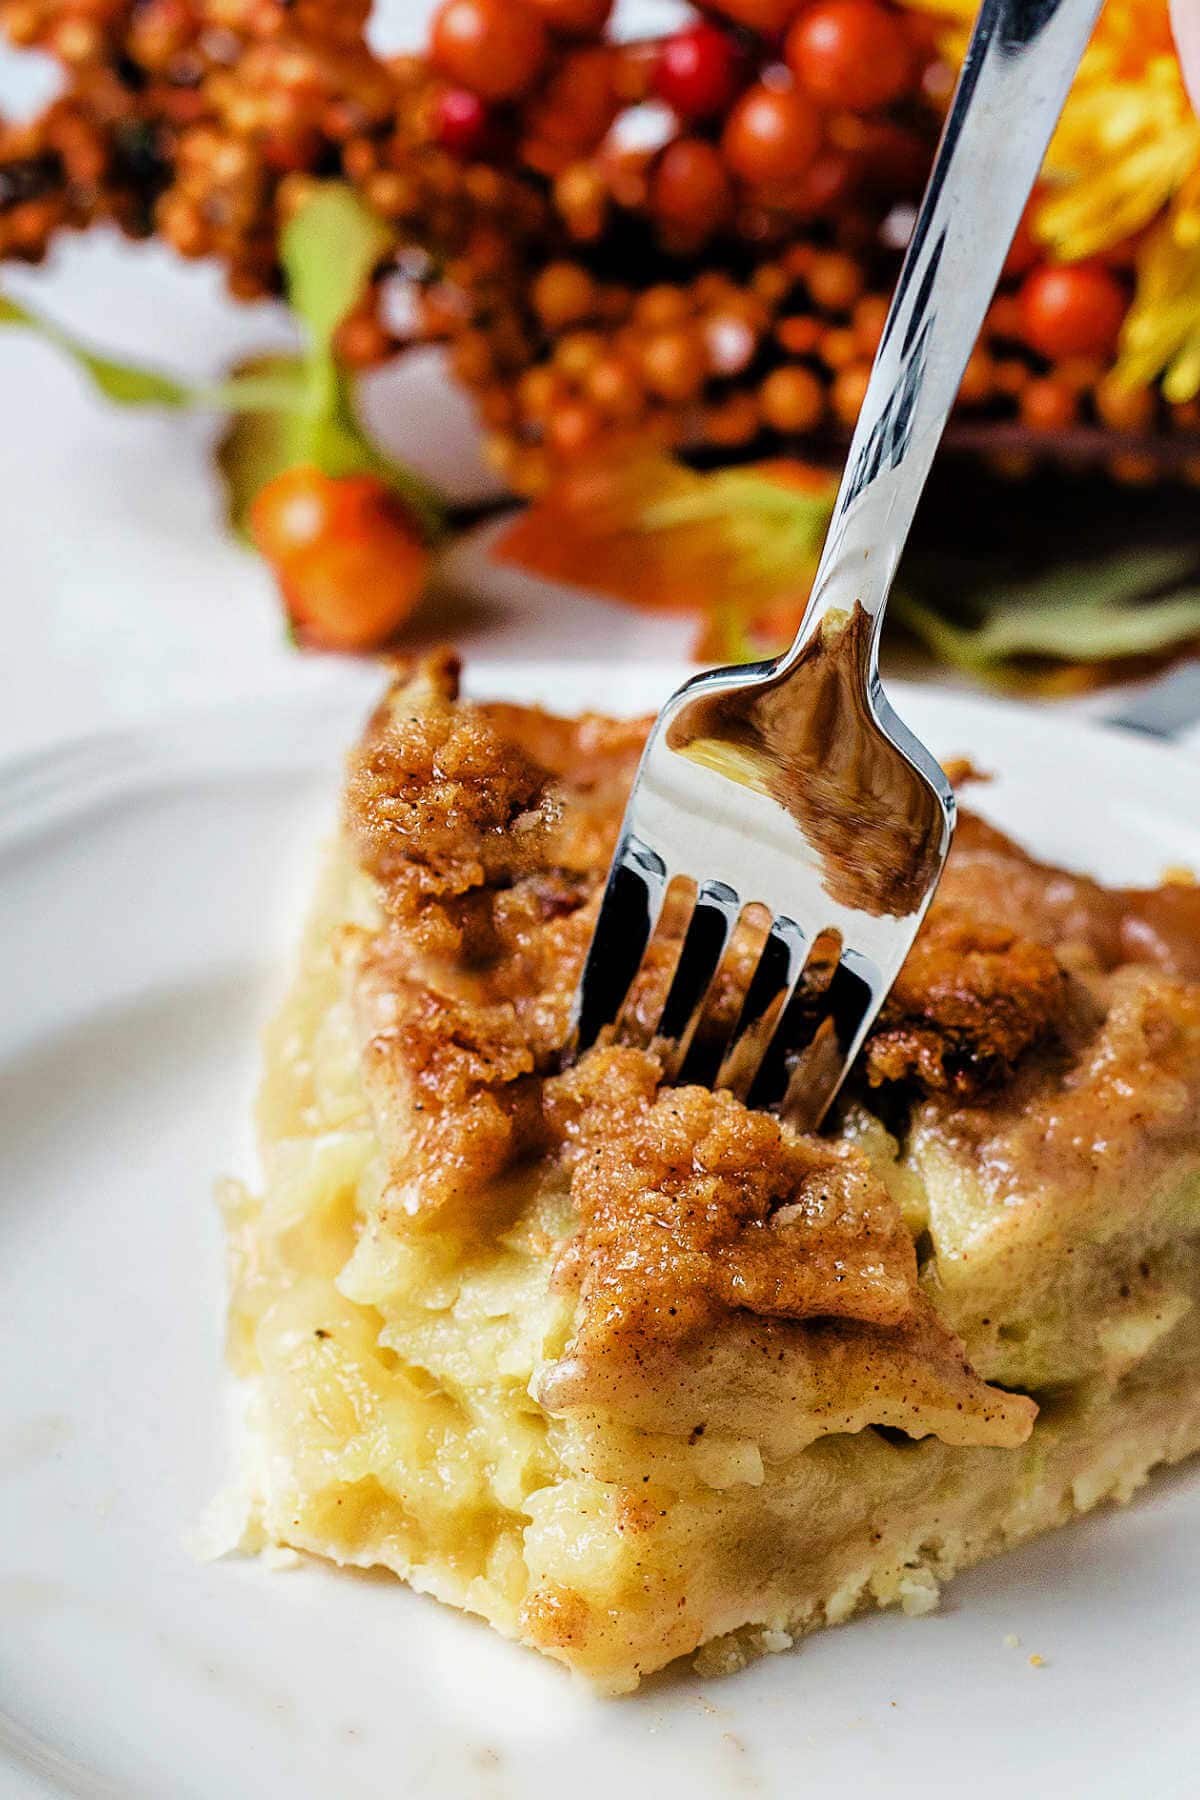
x,y
1162,328
1125,160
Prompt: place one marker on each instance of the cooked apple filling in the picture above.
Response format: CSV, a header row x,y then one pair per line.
x,y
635,1372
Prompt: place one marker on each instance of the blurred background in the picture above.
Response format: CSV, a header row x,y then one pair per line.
x,y
543,327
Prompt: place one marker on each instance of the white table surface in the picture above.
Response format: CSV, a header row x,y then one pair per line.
x,y
123,596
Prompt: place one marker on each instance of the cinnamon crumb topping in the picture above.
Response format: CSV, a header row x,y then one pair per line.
x,y
433,794
488,830
691,1206
970,1000
488,863
999,883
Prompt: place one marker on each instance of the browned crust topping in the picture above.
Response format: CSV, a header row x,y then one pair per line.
x,y
971,999
995,880
989,977
1109,1121
695,1212
434,793
713,1207
488,864
488,830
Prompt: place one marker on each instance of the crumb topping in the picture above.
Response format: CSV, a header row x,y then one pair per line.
x,y
434,797
691,1206
488,863
1107,1120
972,997
488,830
999,883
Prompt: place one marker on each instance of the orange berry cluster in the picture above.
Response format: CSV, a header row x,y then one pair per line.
x,y
741,129
688,241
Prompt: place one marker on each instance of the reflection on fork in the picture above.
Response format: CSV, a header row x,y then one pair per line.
x,y
732,982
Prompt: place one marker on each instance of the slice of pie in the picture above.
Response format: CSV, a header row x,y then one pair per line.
x,y
632,1371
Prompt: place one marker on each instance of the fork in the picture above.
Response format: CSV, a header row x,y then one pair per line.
x,y
788,791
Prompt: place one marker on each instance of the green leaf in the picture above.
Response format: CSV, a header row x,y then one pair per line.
x,y
1110,583
282,386
285,387
1096,634
328,250
773,526
290,409
126,384
258,446
948,643
337,444
1082,613
736,495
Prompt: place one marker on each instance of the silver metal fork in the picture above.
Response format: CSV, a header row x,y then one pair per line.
x,y
791,784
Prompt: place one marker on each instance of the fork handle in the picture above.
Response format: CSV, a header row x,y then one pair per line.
x,y
1019,65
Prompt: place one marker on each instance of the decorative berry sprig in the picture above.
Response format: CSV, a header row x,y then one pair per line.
x,y
687,242
348,532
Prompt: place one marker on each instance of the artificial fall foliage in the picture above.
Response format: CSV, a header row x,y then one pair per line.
x,y
1125,607
285,409
736,547
328,250
717,286
361,524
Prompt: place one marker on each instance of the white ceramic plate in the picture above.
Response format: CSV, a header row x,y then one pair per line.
x,y
149,886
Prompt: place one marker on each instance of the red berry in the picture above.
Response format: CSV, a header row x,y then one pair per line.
x,y
575,106
494,47
825,183
461,122
690,190
699,71
850,53
1075,309
772,136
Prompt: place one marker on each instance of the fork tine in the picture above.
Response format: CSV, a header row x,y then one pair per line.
x,y
714,916
633,899
807,1089
772,985
856,985
701,1054
792,1022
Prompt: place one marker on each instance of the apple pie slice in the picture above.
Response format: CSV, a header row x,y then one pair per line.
x,y
632,1371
